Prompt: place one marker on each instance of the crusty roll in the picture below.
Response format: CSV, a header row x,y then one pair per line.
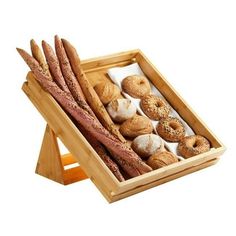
x,y
161,159
107,92
121,109
136,126
147,144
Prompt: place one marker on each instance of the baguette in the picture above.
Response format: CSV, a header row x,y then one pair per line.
x,y
70,78
54,66
101,151
89,92
89,123
38,55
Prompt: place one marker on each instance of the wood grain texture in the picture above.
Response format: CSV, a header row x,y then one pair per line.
x,y
51,164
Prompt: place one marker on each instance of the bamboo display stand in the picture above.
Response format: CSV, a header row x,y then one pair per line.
x,y
52,165
59,125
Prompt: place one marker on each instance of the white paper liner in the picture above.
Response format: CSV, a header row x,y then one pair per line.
x,y
117,74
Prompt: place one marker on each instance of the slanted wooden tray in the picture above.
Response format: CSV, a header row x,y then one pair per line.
x,y
52,165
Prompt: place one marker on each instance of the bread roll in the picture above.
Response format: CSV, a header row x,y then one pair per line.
x,y
161,158
121,109
136,126
136,86
147,144
107,92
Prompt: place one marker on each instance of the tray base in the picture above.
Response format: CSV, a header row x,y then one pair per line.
x,y
163,180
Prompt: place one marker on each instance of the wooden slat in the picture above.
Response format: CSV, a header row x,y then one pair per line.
x,y
121,63
168,170
68,159
112,59
74,175
163,180
49,162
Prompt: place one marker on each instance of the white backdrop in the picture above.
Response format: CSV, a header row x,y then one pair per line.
x,y
193,43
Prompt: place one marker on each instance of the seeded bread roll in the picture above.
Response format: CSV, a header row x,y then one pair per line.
x,y
147,144
107,92
136,126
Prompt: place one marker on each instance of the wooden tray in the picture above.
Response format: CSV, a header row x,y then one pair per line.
x,y
52,165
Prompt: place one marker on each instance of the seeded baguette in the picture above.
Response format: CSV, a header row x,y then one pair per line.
x,y
38,55
89,92
67,72
54,66
101,151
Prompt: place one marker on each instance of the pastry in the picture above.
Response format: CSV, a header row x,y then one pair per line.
x,y
154,107
136,86
136,126
160,159
147,144
121,109
171,129
193,145
107,92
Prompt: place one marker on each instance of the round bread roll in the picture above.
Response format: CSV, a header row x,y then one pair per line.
x,y
160,159
147,144
107,92
121,109
136,126
136,86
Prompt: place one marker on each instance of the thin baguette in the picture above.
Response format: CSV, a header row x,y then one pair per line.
x,y
89,92
54,66
70,78
101,151
38,55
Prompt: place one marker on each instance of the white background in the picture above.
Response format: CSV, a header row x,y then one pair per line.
x,y
193,43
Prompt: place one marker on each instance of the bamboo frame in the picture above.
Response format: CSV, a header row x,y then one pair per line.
x,y
60,125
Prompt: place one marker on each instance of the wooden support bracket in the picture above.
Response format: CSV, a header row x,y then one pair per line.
x,y
52,165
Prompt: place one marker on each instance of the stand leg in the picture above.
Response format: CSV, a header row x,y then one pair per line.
x,y
52,165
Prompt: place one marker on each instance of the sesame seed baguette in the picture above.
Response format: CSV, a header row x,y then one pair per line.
x,y
89,92
70,78
54,66
38,55
101,151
